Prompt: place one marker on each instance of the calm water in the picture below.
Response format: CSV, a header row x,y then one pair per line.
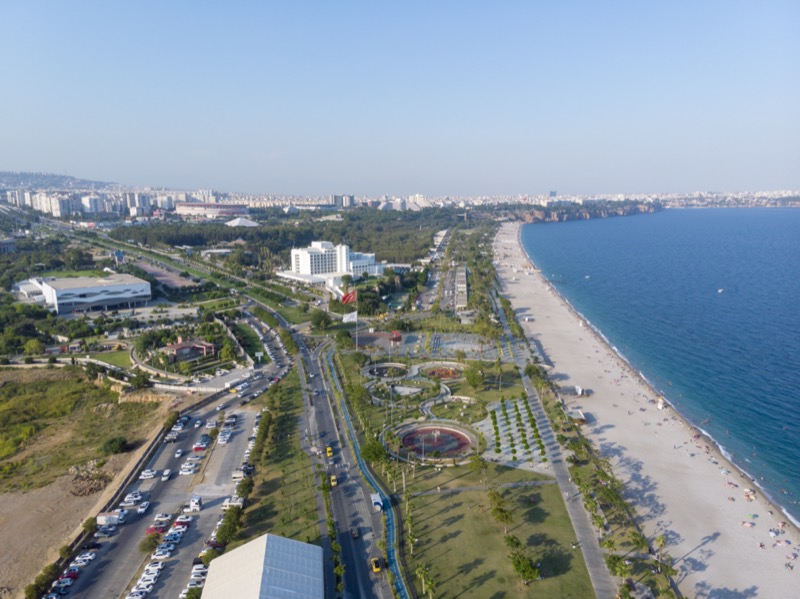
x,y
705,303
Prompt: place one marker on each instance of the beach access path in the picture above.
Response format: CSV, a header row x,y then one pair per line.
x,y
724,544
585,536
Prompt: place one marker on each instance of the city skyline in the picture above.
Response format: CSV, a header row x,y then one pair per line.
x,y
446,99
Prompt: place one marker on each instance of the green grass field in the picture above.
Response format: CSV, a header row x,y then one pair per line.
x,y
115,358
463,545
250,341
284,499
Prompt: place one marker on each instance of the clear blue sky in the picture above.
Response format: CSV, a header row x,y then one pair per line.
x,y
435,97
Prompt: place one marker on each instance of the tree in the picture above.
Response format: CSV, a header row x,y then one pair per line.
x,y
524,567
422,573
374,451
89,525
617,566
504,517
194,593
512,542
33,347
639,540
115,445
320,320
608,543
347,280
150,543
661,542
140,380
474,375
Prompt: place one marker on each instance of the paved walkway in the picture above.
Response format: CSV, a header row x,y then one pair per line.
x,y
602,581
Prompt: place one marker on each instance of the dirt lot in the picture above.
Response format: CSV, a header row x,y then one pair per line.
x,y
163,276
42,520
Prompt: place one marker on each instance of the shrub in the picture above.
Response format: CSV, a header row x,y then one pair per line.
x,y
115,445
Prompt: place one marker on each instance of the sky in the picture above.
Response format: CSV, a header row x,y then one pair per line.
x,y
436,97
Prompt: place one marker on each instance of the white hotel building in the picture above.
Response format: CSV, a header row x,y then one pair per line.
x,y
324,263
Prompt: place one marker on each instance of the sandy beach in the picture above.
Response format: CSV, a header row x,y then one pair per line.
x,y
725,542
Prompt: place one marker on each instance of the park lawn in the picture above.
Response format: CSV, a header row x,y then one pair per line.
x,y
249,340
463,545
284,498
115,358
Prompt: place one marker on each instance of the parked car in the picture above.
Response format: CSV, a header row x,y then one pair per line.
x,y
143,507
178,453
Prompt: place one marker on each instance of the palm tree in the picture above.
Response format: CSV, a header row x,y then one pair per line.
x,y
421,572
639,540
608,543
661,542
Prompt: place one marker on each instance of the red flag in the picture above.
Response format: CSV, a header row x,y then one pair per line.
x,y
349,298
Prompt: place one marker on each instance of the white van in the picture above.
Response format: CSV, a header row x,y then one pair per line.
x,y
165,474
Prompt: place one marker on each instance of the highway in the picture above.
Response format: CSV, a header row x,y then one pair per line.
x,y
350,503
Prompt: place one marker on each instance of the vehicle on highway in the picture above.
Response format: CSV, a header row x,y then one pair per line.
x,y
165,475
178,453
198,423
143,507
147,474
333,480
122,515
134,496
221,407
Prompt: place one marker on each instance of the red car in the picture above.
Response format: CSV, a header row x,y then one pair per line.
x,y
155,528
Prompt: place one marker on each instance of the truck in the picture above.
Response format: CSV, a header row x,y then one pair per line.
x,y
195,504
234,501
377,504
108,518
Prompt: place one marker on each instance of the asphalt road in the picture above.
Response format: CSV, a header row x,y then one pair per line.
x,y
119,561
350,503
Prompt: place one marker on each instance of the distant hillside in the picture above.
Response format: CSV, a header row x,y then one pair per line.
x,y
11,180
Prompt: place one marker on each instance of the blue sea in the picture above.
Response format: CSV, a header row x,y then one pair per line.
x,y
706,304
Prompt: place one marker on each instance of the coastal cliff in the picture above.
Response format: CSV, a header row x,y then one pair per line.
x,y
572,211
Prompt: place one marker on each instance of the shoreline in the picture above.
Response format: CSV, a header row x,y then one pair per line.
x,y
625,363
671,469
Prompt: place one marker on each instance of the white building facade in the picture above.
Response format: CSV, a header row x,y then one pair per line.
x,y
91,293
323,258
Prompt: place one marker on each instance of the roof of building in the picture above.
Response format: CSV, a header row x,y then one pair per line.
x,y
269,567
106,281
241,222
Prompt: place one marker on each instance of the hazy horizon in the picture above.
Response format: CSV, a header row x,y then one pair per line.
x,y
452,98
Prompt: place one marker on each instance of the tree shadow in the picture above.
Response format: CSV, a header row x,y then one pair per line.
x,y
703,590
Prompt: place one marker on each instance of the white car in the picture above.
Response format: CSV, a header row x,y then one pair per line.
x,y
178,453
162,554
198,423
146,474
166,547
211,424
133,496
196,584
79,563
145,588
154,566
200,568
90,555
143,507
186,519
136,595
163,517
